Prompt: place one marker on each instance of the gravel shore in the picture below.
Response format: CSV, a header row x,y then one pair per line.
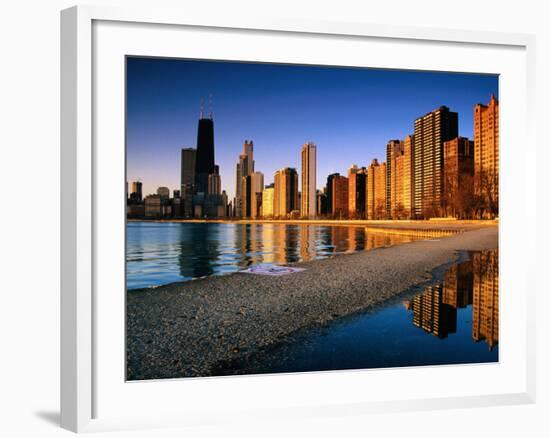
x,y
189,329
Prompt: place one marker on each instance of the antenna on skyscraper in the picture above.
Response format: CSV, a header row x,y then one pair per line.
x,y
210,106
201,108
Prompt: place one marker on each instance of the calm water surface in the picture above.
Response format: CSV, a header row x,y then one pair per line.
x,y
454,321
161,253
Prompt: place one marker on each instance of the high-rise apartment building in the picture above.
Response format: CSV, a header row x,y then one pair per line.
x,y
340,196
376,190
486,154
430,132
399,180
458,158
309,180
394,148
286,192
357,191
408,175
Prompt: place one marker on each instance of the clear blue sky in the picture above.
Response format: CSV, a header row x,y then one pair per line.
x,y
350,113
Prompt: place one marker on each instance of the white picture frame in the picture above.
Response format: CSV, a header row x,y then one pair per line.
x,y
82,369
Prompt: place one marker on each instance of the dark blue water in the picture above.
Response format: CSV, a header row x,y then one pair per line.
x,y
161,253
454,321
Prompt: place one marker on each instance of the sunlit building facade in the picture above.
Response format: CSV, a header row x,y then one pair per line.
x,y
340,196
486,153
309,181
245,167
376,190
394,149
286,192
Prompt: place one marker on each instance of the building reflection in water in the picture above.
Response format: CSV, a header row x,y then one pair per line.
x,y
197,255
208,249
485,300
474,284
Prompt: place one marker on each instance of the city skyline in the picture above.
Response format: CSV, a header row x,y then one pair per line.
x,y
155,136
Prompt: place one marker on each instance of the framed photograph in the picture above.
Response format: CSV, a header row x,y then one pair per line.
x,y
250,210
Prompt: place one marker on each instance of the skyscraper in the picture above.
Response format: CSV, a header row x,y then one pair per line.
x,y
244,167
286,192
458,158
204,164
188,160
430,132
309,180
399,178
340,196
486,153
408,175
252,186
357,191
394,148
329,192
376,190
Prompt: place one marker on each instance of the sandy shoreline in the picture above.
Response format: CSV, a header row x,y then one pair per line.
x,y
458,225
186,329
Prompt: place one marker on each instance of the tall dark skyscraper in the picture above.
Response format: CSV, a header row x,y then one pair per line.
x,y
204,164
430,132
329,192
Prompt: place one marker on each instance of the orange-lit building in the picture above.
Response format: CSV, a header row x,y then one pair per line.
x,y
340,196
458,158
309,181
286,192
376,190
408,175
486,153
394,149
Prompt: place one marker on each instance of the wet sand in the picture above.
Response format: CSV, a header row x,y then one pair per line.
x,y
190,328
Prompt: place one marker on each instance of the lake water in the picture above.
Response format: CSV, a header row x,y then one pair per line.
x,y
453,321
161,253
